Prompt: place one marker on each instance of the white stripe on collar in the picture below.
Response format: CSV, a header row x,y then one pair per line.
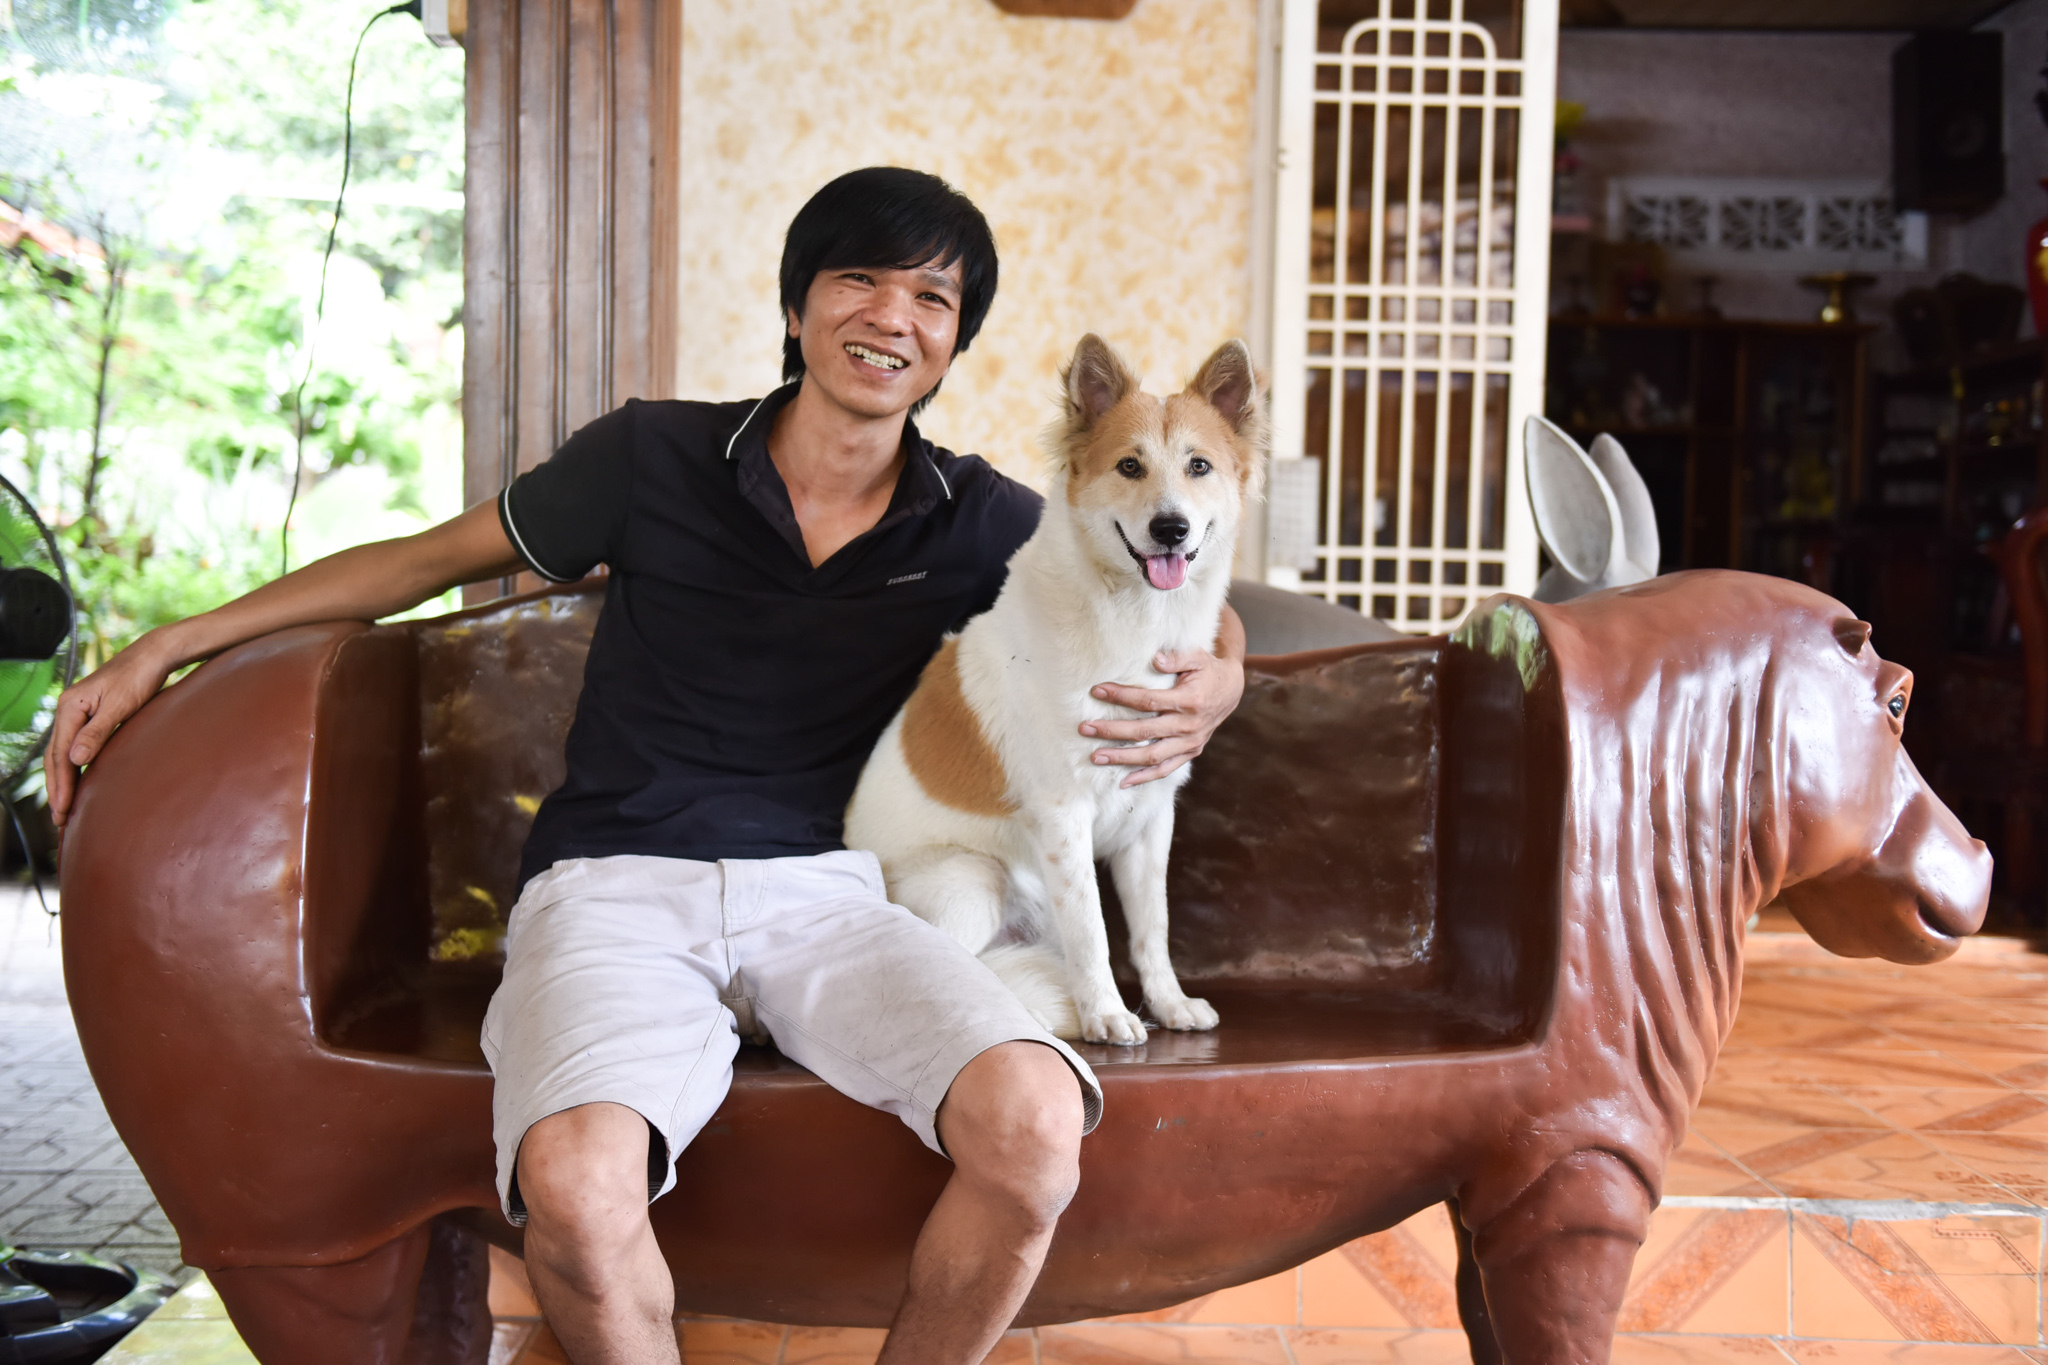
x,y
735,438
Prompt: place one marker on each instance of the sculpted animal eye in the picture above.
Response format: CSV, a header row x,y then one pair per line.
x,y
1198,466
1129,467
1897,706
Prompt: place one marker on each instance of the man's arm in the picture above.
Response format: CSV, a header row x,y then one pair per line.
x,y
364,583
1187,713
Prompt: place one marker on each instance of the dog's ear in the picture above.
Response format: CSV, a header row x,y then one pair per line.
x,y
1228,382
1095,381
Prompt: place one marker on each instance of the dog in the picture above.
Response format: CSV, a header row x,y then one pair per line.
x,y
981,800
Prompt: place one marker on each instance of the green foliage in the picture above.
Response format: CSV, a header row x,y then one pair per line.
x,y
125,585
150,399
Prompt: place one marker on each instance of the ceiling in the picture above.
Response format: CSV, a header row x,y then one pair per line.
x,y
1890,15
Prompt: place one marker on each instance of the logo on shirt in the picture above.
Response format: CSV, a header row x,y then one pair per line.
x,y
906,578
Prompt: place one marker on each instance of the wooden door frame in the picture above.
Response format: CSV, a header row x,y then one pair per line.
x,y
570,250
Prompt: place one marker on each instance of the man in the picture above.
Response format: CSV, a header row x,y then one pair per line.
x,y
780,571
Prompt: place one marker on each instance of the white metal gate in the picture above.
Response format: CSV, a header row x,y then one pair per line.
x,y
1411,256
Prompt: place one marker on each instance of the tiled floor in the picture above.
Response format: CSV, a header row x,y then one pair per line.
x,y
65,1179
1866,1182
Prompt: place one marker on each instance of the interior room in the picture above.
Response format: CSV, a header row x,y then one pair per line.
x,y
1613,961
1789,395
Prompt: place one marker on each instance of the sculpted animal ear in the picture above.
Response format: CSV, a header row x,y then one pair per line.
x,y
1577,515
1228,382
1639,542
1852,635
1096,380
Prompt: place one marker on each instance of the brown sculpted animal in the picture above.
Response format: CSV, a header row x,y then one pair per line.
x,y
1472,909
1748,751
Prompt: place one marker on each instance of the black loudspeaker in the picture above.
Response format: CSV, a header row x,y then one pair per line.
x,y
1948,122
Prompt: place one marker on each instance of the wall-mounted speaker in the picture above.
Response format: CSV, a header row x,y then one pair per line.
x,y
1948,122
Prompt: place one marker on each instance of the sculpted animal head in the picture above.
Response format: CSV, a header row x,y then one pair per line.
x,y
1593,513
1157,487
1874,864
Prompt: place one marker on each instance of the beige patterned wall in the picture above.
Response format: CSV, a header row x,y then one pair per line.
x,y
1112,159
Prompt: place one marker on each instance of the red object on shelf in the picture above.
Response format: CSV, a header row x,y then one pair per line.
x,y
2037,272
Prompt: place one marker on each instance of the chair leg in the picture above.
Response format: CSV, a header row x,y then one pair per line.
x,y
1471,1297
451,1320
1555,1263
421,1299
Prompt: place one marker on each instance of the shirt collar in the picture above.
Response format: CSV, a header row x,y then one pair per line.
x,y
921,487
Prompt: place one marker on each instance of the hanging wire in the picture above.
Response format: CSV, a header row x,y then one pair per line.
x,y
348,142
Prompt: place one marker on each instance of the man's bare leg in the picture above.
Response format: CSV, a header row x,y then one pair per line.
x,y
1012,1124
590,1250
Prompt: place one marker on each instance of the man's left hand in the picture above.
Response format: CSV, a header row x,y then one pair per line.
x,y
1185,715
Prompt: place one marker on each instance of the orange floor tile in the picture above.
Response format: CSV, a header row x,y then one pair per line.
x,y
1865,1183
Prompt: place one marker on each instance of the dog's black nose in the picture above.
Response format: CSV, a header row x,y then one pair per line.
x,y
1169,531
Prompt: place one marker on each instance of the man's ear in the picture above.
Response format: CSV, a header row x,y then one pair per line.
x,y
1227,381
1095,380
795,321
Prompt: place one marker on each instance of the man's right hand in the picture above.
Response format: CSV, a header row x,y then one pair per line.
x,y
359,584
88,712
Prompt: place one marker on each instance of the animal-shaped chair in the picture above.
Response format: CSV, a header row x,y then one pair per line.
x,y
1472,908
1593,513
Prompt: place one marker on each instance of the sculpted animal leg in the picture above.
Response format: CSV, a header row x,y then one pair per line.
x,y
959,891
418,1300
1555,1263
1139,868
1472,1297
1066,854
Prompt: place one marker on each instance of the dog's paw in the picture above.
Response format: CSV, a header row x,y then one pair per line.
x,y
1118,1026
1186,1013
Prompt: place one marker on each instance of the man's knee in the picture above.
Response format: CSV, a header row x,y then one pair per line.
x,y
583,1179
1012,1121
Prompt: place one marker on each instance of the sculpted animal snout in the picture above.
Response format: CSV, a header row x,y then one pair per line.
x,y
1914,900
1169,529
1949,872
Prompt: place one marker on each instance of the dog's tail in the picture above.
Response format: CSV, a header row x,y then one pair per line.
x,y
1037,976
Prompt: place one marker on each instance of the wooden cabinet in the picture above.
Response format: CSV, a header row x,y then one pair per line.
x,y
1747,433
1956,458
1959,446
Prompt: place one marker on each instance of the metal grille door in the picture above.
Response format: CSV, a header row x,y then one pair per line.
x,y
1411,259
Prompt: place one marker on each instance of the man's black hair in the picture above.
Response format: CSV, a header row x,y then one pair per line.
x,y
888,218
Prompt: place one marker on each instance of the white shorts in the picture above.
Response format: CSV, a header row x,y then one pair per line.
x,y
632,980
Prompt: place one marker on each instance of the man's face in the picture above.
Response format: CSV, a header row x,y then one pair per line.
x,y
876,341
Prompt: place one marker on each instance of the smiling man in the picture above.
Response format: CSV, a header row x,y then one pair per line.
x,y
780,572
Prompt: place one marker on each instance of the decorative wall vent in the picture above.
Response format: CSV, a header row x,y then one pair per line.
x,y
1769,224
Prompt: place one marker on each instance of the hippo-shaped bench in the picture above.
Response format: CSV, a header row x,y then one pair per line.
x,y
1472,908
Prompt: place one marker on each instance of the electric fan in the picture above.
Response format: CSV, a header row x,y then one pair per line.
x,y
38,647
56,1307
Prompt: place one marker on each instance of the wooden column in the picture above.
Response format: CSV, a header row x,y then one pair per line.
x,y
569,231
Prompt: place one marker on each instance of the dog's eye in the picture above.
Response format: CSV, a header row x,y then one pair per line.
x,y
1897,706
1198,466
1129,467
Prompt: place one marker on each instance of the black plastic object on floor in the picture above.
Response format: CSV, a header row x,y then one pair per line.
x,y
68,1307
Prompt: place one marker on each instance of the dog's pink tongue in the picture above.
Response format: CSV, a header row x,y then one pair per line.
x,y
1166,571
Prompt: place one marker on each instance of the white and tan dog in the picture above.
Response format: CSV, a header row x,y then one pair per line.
x,y
981,800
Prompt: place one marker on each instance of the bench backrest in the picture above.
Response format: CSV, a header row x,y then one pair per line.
x,y
1371,818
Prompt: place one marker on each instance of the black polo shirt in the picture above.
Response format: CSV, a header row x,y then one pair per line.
x,y
733,690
